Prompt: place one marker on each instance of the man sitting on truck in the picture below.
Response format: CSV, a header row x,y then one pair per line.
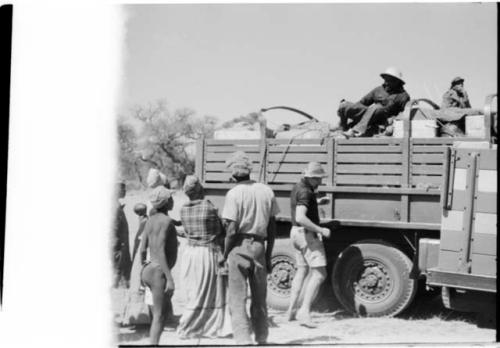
x,y
376,108
456,96
306,236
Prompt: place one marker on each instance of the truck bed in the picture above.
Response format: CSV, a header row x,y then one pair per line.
x,y
385,182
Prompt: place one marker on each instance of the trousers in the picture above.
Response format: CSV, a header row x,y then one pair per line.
x,y
246,263
361,116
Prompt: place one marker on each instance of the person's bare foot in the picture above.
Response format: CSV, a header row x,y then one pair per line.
x,y
305,320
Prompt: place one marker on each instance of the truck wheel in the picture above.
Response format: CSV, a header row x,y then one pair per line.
x,y
371,278
279,281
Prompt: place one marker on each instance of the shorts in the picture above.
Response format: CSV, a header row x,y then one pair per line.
x,y
309,249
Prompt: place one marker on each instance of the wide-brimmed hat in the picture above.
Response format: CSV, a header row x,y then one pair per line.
x,y
393,72
315,170
155,178
457,80
192,185
159,196
239,163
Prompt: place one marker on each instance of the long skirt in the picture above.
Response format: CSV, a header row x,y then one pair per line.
x,y
206,313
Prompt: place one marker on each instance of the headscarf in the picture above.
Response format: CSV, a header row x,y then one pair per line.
x,y
192,186
240,164
159,197
155,178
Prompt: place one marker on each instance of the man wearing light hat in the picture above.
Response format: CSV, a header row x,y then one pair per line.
x,y
306,236
249,211
375,108
456,96
160,238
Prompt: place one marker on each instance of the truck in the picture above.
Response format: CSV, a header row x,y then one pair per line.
x,y
403,212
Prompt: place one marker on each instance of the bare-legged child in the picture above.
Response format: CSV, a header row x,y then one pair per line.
x,y
160,238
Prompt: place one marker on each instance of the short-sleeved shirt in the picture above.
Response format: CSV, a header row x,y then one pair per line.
x,y
303,194
250,204
201,221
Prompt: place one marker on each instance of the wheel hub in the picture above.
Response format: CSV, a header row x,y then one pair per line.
x,y
282,272
374,282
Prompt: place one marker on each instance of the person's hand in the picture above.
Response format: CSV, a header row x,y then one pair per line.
x,y
323,200
170,287
221,260
325,232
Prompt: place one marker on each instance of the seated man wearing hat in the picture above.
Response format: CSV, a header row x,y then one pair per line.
x,y
456,96
306,236
375,108
160,238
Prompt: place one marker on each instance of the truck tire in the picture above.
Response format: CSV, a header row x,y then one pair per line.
x,y
371,278
279,281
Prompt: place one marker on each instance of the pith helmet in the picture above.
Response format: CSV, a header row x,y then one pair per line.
x,y
393,72
315,170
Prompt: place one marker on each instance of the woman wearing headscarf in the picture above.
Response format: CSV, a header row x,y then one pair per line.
x,y
206,313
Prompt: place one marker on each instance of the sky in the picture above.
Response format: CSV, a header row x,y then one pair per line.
x,y
228,60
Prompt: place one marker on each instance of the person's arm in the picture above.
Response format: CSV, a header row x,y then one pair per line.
x,y
368,99
230,215
162,259
271,235
230,240
466,100
144,245
304,221
450,99
393,107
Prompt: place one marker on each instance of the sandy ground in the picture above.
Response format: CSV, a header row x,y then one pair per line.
x,y
426,321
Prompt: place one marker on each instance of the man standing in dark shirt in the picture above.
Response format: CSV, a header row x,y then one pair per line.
x,y
306,236
375,108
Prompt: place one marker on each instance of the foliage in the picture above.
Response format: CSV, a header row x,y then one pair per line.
x,y
154,137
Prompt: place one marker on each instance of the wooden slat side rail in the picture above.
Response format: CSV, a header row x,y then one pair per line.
x,y
369,141
349,168
237,142
429,149
435,181
284,178
367,158
297,157
368,180
300,149
231,149
222,157
427,158
296,141
369,149
427,169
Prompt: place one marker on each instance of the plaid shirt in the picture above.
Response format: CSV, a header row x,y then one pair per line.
x,y
201,221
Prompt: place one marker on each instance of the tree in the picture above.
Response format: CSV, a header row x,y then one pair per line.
x,y
152,136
